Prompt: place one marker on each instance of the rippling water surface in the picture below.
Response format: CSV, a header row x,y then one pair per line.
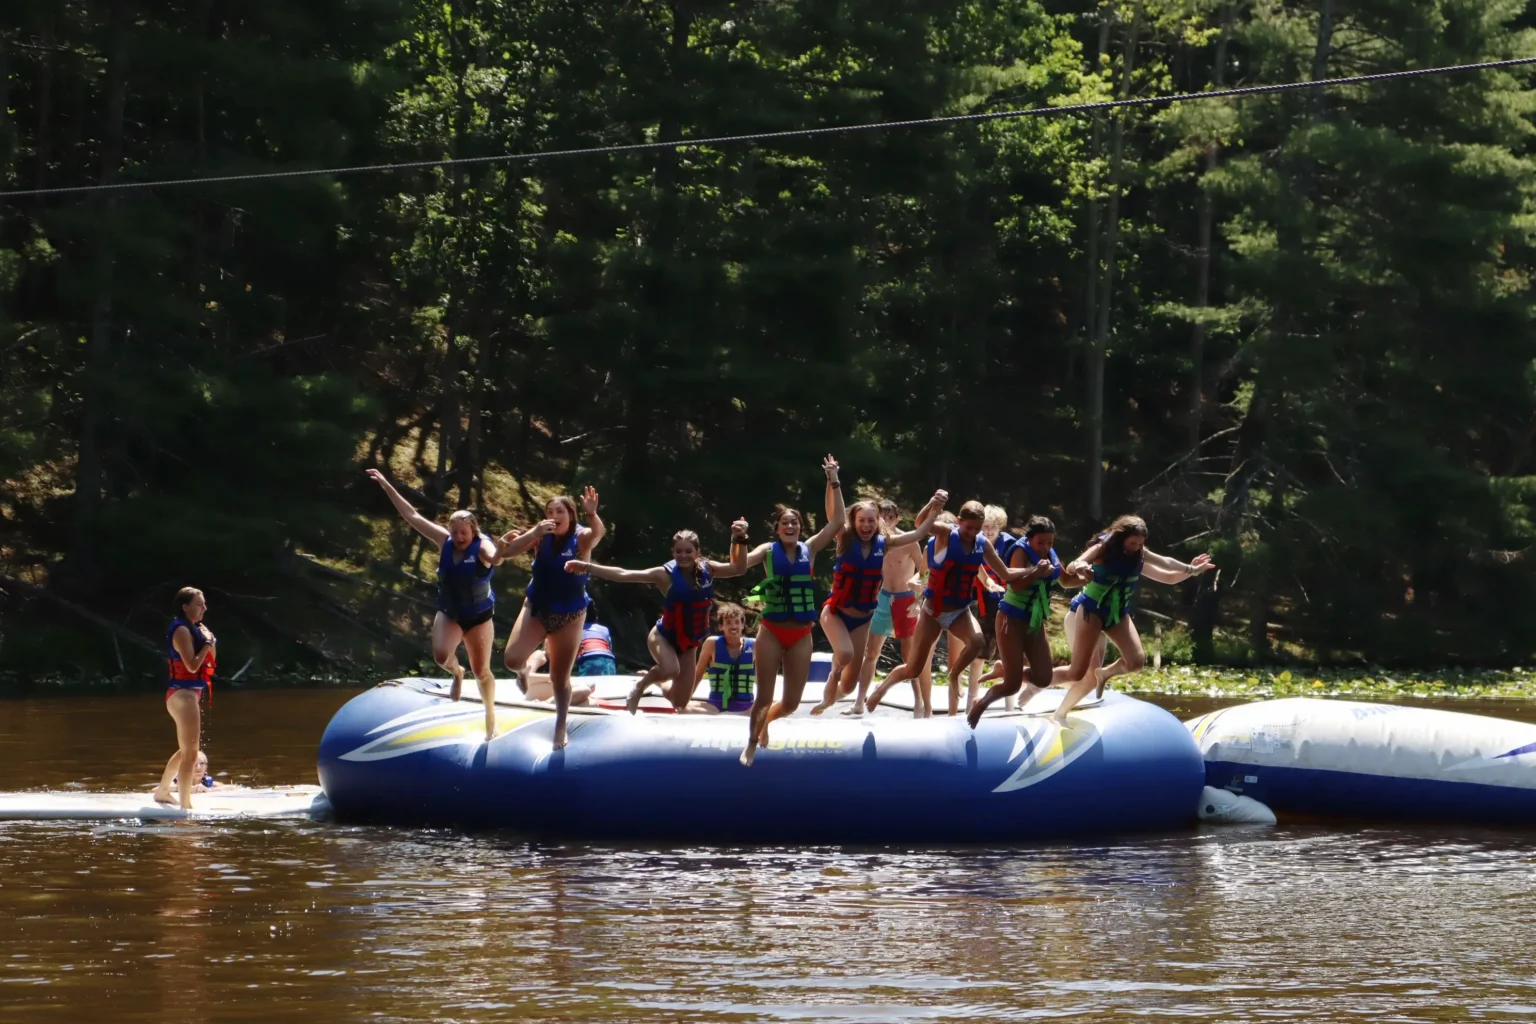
x,y
270,921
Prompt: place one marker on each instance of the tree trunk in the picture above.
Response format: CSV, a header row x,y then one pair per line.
x,y
1095,374
1106,292
44,150
1203,271
89,475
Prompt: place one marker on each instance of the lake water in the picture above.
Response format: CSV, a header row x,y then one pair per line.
x,y
254,921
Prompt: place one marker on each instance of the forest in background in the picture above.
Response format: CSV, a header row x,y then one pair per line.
x,y
1294,330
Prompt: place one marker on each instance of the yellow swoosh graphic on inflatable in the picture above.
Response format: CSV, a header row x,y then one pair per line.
x,y
466,729
1048,749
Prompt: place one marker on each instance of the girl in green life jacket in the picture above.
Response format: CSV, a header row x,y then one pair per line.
x,y
1112,567
788,609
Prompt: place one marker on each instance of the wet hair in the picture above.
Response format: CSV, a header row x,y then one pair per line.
x,y
849,533
1119,530
974,510
465,515
1038,524
994,515
570,506
728,609
184,597
698,563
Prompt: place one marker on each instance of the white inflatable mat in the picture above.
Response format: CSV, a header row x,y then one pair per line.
x,y
231,802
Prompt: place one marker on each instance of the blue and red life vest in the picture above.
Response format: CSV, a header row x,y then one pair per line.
x,y
552,590
856,578
596,642
177,674
685,615
463,584
952,585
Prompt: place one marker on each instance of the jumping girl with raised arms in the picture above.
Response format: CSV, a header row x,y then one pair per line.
x,y
788,597
1117,559
465,600
555,603
862,547
952,568
688,583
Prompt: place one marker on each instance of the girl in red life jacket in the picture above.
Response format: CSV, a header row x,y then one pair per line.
x,y
788,600
862,545
191,653
465,600
688,585
954,559
555,603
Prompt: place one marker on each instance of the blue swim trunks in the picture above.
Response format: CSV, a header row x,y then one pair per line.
x,y
597,665
880,622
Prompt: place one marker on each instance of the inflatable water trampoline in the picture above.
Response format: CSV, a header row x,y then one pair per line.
x,y
401,753
215,804
1335,758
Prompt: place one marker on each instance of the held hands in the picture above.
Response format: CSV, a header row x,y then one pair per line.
x,y
829,466
939,499
589,500
739,529
576,566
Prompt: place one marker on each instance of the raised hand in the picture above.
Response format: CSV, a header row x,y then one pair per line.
x,y
1202,563
829,466
543,526
739,528
589,500
939,499
376,477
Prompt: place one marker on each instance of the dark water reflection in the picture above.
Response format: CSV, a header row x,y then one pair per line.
x,y
274,921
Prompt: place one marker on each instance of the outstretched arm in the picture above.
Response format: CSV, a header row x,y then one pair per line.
x,y
614,574
1009,575
420,523
924,523
1170,570
839,511
595,528
513,543
738,563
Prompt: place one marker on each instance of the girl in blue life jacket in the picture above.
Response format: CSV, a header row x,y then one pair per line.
x,y
857,578
787,599
465,598
1112,568
555,603
687,584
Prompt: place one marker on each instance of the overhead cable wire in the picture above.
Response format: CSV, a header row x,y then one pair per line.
x,y
778,136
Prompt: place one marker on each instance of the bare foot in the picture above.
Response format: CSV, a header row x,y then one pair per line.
x,y
857,711
457,689
875,697
632,705
162,795
1098,691
1060,720
974,715
819,708
748,754
561,739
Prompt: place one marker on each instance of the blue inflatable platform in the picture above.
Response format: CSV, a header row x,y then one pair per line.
x,y
401,753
